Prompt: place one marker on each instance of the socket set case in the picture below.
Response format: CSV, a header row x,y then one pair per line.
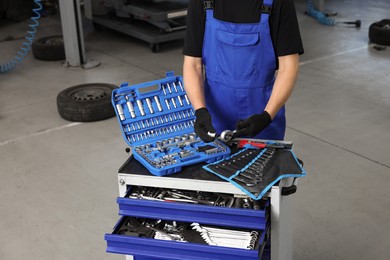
x,y
157,120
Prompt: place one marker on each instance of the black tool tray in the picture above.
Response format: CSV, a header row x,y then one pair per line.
x,y
157,120
255,171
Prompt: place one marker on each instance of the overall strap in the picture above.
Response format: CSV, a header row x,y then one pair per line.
x,y
266,10
209,7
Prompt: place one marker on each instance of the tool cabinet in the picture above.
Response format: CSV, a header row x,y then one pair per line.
x,y
156,119
272,223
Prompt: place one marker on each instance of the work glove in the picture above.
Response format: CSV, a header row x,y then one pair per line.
x,y
253,125
203,126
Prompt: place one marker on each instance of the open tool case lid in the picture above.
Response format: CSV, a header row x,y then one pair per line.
x,y
145,108
156,120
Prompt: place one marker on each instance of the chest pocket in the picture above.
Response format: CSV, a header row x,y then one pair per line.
x,y
237,54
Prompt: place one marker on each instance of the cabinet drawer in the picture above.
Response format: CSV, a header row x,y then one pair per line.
x,y
207,214
132,244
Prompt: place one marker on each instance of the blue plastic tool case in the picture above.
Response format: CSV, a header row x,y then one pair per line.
x,y
157,120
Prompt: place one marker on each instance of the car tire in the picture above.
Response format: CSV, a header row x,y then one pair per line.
x,y
379,32
49,48
86,102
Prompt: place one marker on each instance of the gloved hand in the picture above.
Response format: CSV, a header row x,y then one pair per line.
x,y
253,125
203,125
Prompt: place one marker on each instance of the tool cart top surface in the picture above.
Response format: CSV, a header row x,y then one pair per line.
x,y
195,177
192,177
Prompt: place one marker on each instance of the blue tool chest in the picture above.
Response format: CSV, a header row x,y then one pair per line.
x,y
157,120
158,205
141,242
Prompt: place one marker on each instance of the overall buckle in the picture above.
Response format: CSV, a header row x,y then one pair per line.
x,y
208,5
266,9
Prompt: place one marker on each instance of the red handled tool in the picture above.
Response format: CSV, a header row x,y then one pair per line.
x,y
241,143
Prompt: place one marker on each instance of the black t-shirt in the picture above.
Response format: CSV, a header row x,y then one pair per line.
x,y
283,23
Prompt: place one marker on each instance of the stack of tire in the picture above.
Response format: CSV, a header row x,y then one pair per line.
x,y
379,32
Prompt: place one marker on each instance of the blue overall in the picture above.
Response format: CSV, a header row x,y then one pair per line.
x,y
240,66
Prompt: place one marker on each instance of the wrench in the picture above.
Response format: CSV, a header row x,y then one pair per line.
x,y
227,135
255,177
206,202
248,182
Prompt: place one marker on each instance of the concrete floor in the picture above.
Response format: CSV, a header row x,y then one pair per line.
x,y
58,179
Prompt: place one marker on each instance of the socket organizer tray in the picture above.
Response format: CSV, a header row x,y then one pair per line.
x,y
157,122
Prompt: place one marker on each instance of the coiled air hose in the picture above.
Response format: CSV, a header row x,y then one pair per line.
x,y
26,45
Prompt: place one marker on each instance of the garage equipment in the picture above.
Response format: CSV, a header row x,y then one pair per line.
x,y
165,15
225,226
152,21
271,214
197,213
324,18
26,45
157,120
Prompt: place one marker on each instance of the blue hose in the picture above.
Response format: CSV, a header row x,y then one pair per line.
x,y
26,45
318,15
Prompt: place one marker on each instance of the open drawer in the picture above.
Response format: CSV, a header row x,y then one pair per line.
x,y
242,212
145,238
